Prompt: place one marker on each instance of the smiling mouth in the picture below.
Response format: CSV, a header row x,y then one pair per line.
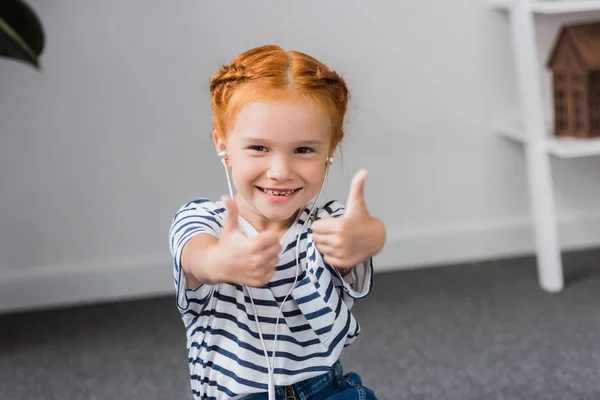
x,y
274,192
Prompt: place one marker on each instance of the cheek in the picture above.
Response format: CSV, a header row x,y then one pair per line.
x,y
241,176
244,172
314,172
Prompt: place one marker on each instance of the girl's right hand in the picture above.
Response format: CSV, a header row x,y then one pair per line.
x,y
245,260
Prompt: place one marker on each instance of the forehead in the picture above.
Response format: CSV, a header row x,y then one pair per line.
x,y
282,121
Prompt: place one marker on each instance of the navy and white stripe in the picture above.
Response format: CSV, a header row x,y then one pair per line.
x,y
226,358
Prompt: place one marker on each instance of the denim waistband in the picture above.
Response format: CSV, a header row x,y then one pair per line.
x,y
306,388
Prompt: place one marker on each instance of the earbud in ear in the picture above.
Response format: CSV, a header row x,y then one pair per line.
x,y
329,160
223,156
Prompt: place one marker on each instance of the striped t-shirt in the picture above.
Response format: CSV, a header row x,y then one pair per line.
x,y
225,355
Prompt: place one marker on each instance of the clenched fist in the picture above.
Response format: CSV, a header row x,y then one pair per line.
x,y
350,239
245,260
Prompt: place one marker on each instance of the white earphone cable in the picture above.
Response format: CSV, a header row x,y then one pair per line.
x,y
271,361
298,267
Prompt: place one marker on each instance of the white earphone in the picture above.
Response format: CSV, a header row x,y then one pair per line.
x,y
223,155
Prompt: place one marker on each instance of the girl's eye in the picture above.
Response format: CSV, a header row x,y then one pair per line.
x,y
258,148
304,150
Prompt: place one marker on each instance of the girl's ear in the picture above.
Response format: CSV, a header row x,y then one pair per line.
x,y
219,143
221,148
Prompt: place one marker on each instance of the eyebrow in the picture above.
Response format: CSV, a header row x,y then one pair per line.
x,y
301,142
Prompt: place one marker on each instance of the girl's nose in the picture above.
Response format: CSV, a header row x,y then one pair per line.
x,y
279,169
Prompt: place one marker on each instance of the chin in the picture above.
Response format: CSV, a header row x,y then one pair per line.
x,y
280,215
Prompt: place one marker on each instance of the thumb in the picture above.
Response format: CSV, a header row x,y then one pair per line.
x,y
356,196
267,239
231,218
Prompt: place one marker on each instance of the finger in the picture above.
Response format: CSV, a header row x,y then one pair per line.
x,y
357,191
231,218
333,261
266,240
257,283
338,262
325,240
326,250
272,253
270,275
326,226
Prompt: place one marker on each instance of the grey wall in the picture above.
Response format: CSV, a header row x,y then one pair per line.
x,y
99,149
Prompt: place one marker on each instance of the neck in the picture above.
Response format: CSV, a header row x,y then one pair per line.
x,y
260,223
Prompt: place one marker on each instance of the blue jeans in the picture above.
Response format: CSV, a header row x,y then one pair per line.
x,y
332,385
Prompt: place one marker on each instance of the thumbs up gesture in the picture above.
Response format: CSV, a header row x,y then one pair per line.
x,y
350,239
245,260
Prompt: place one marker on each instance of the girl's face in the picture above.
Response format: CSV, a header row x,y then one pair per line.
x,y
277,154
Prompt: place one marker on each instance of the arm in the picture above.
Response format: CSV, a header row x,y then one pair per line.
x,y
222,254
198,260
197,219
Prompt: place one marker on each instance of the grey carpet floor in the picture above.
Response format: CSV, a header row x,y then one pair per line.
x,y
476,331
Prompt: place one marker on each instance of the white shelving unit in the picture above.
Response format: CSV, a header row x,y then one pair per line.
x,y
559,147
533,133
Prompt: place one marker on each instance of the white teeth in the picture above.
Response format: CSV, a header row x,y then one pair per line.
x,y
278,193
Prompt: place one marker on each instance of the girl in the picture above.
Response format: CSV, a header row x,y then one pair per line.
x,y
265,278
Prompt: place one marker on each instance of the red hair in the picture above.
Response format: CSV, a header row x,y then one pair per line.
x,y
272,73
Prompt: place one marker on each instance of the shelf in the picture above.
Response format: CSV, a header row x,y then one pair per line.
x,y
551,6
559,147
523,15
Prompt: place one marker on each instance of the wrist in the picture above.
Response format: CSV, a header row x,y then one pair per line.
x,y
378,235
213,265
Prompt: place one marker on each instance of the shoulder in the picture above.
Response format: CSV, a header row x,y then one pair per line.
x,y
204,205
201,208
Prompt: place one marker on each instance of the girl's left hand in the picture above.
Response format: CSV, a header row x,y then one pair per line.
x,y
355,236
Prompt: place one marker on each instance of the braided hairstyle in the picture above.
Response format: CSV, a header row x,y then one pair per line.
x,y
272,73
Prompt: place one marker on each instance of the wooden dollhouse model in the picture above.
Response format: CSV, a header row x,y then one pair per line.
x,y
575,66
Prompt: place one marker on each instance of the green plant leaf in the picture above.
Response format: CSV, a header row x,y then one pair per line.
x,y
21,33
